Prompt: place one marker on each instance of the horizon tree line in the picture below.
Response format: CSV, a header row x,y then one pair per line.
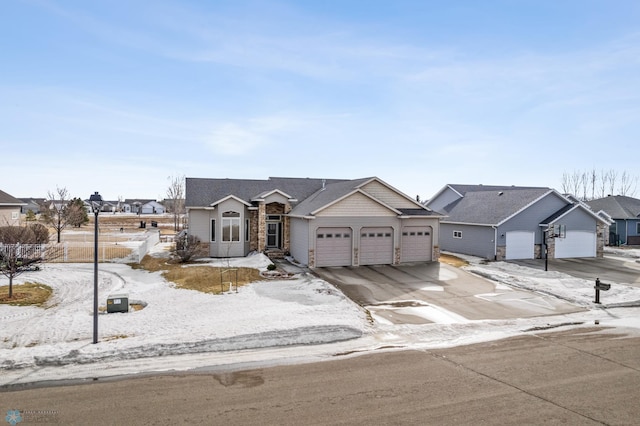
x,y
592,184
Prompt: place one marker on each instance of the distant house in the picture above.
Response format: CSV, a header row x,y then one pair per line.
x,y
33,204
319,222
9,209
142,206
625,213
509,222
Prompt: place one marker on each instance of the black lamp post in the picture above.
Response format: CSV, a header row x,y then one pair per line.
x,y
96,205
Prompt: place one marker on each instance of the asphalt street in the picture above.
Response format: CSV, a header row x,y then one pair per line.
x,y
583,376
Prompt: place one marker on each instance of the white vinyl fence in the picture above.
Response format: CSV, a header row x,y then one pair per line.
x,y
79,252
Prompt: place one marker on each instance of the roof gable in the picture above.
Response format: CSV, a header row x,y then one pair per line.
x,y
389,195
354,204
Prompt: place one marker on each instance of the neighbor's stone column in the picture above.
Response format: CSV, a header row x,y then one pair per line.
x,y
262,227
601,231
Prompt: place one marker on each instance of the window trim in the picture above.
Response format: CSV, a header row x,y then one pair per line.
x,y
212,233
231,221
457,234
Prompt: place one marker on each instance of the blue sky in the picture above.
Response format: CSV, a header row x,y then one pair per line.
x,y
115,96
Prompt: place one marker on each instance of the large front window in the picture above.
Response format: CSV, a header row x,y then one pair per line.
x,y
230,226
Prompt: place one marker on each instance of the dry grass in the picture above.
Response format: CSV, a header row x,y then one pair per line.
x,y
453,260
27,294
192,276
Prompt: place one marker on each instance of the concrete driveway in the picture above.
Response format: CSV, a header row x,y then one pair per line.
x,y
436,293
608,269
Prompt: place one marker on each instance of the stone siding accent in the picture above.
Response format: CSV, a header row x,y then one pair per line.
x,y
602,230
436,253
396,260
501,252
551,247
262,228
537,251
253,230
312,258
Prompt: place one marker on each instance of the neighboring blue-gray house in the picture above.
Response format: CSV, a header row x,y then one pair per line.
x,y
625,213
509,222
319,222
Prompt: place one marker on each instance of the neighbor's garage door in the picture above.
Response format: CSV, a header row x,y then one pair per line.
x,y
576,244
376,246
333,247
520,245
416,244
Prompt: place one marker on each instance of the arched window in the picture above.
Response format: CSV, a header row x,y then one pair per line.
x,y
230,226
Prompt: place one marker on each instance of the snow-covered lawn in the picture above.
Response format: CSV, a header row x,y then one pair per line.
x,y
269,322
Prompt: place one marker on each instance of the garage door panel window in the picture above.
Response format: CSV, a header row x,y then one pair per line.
x,y
416,244
333,247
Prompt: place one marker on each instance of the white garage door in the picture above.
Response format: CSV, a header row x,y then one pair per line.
x,y
376,246
416,244
576,244
333,247
520,245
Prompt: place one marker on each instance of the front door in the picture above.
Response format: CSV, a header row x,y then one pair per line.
x,y
273,234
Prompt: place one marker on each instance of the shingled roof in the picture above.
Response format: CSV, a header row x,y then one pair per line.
x,y
203,192
490,205
9,200
617,206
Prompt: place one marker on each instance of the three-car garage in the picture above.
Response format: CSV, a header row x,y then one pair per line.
x,y
337,246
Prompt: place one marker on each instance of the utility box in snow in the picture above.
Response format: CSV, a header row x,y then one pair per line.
x,y
117,303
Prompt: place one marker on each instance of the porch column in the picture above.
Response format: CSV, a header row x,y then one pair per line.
x,y
262,227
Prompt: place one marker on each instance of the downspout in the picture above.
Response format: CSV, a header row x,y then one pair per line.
x,y
495,242
545,233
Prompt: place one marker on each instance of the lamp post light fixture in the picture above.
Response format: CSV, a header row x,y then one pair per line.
x,y
96,204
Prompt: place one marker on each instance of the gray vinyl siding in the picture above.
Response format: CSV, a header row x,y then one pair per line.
x,y
579,220
530,218
476,240
199,224
447,197
299,240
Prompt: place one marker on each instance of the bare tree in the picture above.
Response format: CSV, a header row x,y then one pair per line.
x,y
593,181
628,184
612,179
175,194
602,187
572,182
592,184
188,247
55,210
21,247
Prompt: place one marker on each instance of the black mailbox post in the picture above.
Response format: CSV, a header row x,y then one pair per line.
x,y
600,286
